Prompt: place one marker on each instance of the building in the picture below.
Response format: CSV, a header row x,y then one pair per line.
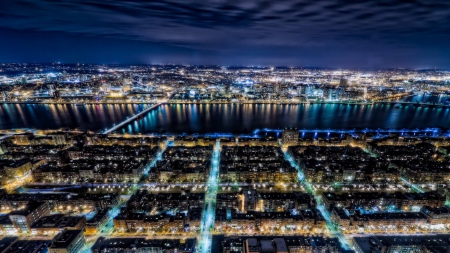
x,y
290,137
6,242
23,139
183,164
110,140
383,200
438,217
6,226
11,202
275,244
26,246
60,138
53,224
130,244
90,171
188,141
95,223
230,221
23,218
163,213
410,244
260,201
255,164
60,202
342,163
68,241
384,222
16,169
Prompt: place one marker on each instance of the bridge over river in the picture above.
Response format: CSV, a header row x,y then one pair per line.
x,y
130,119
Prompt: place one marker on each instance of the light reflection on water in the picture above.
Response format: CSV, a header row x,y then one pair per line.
x,y
228,118
40,116
204,118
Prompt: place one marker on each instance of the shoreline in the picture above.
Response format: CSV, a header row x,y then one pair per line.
x,y
438,131
235,103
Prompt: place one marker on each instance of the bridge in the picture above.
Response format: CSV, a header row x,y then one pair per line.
x,y
130,119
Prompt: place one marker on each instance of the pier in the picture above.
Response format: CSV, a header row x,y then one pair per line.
x,y
130,119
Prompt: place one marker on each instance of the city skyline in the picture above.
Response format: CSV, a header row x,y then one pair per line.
x,y
324,34
219,126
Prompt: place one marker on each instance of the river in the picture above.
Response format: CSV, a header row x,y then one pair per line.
x,y
87,117
228,118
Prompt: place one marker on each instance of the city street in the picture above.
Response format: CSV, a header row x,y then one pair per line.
x,y
331,228
210,198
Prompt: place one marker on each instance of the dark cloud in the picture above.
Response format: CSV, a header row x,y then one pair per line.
x,y
294,32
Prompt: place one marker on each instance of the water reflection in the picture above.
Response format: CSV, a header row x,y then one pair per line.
x,y
88,117
204,118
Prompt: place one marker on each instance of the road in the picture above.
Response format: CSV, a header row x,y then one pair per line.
x,y
204,244
413,186
332,229
107,229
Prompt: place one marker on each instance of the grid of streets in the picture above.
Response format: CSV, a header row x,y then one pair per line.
x,y
220,192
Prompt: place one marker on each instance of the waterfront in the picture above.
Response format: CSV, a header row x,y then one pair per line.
x,y
228,118
427,98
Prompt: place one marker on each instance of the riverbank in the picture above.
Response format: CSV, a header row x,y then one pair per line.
x,y
235,103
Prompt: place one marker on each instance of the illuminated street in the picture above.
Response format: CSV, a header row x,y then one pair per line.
x,y
331,227
18,182
210,202
413,186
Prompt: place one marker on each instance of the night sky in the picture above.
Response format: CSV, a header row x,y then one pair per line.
x,y
338,34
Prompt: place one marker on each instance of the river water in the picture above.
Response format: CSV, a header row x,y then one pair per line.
x,y
203,118
88,117
227,118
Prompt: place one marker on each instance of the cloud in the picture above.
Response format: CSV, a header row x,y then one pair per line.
x,y
156,19
226,25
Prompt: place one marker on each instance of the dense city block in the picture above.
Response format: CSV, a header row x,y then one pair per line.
x,y
282,191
